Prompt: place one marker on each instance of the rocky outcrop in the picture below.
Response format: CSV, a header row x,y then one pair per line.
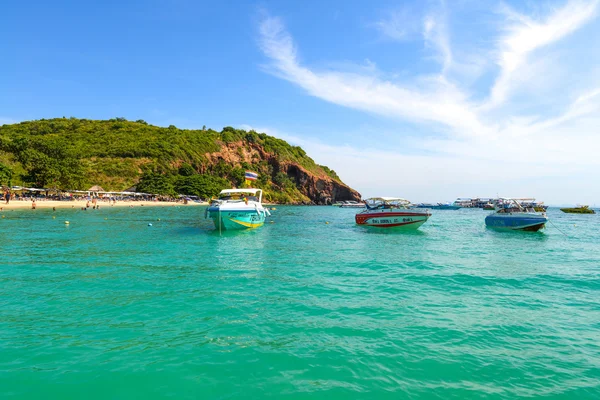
x,y
320,189
317,186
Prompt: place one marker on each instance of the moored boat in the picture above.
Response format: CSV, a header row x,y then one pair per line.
x,y
391,212
352,204
438,206
446,206
531,203
464,202
423,205
237,209
509,214
578,210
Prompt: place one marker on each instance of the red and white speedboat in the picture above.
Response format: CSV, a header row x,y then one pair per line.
x,y
391,212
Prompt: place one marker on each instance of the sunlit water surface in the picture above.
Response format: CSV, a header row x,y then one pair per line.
x,y
109,307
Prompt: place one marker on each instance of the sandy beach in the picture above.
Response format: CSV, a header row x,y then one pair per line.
x,y
44,204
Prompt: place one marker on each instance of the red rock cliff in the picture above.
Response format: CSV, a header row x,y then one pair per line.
x,y
315,184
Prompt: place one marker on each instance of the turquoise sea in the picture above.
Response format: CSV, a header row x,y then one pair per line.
x,y
111,308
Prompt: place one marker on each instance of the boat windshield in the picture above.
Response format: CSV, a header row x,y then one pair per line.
x,y
232,197
504,205
384,204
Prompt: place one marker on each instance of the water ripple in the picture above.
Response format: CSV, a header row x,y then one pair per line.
x,y
110,307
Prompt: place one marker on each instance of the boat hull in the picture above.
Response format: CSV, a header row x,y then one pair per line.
x,y
578,210
392,219
236,219
446,207
516,222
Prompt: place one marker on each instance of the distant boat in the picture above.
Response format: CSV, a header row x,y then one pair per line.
x,y
351,204
511,215
531,203
438,206
489,206
237,209
391,212
422,205
447,206
578,210
464,202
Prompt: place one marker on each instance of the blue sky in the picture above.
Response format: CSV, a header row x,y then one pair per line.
x,y
429,100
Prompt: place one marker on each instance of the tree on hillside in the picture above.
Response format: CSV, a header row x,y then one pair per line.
x,y
155,183
203,186
6,175
186,170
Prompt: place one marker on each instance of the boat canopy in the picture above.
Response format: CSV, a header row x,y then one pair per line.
x,y
507,203
255,192
231,191
387,200
511,199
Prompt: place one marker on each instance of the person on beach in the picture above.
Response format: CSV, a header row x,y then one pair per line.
x,y
87,205
7,196
33,204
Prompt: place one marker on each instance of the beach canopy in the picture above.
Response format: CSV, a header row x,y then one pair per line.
x,y
96,188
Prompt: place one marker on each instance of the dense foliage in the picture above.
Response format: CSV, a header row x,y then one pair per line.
x,y
71,153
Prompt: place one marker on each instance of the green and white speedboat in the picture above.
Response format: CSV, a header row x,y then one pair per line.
x,y
237,209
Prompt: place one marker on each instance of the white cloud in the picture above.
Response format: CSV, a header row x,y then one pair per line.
x,y
437,101
525,35
436,37
399,25
474,144
437,178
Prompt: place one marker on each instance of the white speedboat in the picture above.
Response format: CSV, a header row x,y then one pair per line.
x,y
391,212
351,204
509,214
237,209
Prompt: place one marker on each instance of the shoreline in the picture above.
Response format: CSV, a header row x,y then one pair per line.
x,y
78,204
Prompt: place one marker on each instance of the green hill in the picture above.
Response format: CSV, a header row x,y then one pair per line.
x,y
117,154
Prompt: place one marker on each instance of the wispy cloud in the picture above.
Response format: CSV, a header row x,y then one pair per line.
x,y
408,23
435,101
524,35
399,24
471,134
440,175
435,33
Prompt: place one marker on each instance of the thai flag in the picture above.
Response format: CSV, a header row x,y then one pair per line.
x,y
251,176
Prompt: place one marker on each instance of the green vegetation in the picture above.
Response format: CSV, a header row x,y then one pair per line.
x,y
71,153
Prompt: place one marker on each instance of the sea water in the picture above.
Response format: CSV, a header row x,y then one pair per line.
x,y
308,306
